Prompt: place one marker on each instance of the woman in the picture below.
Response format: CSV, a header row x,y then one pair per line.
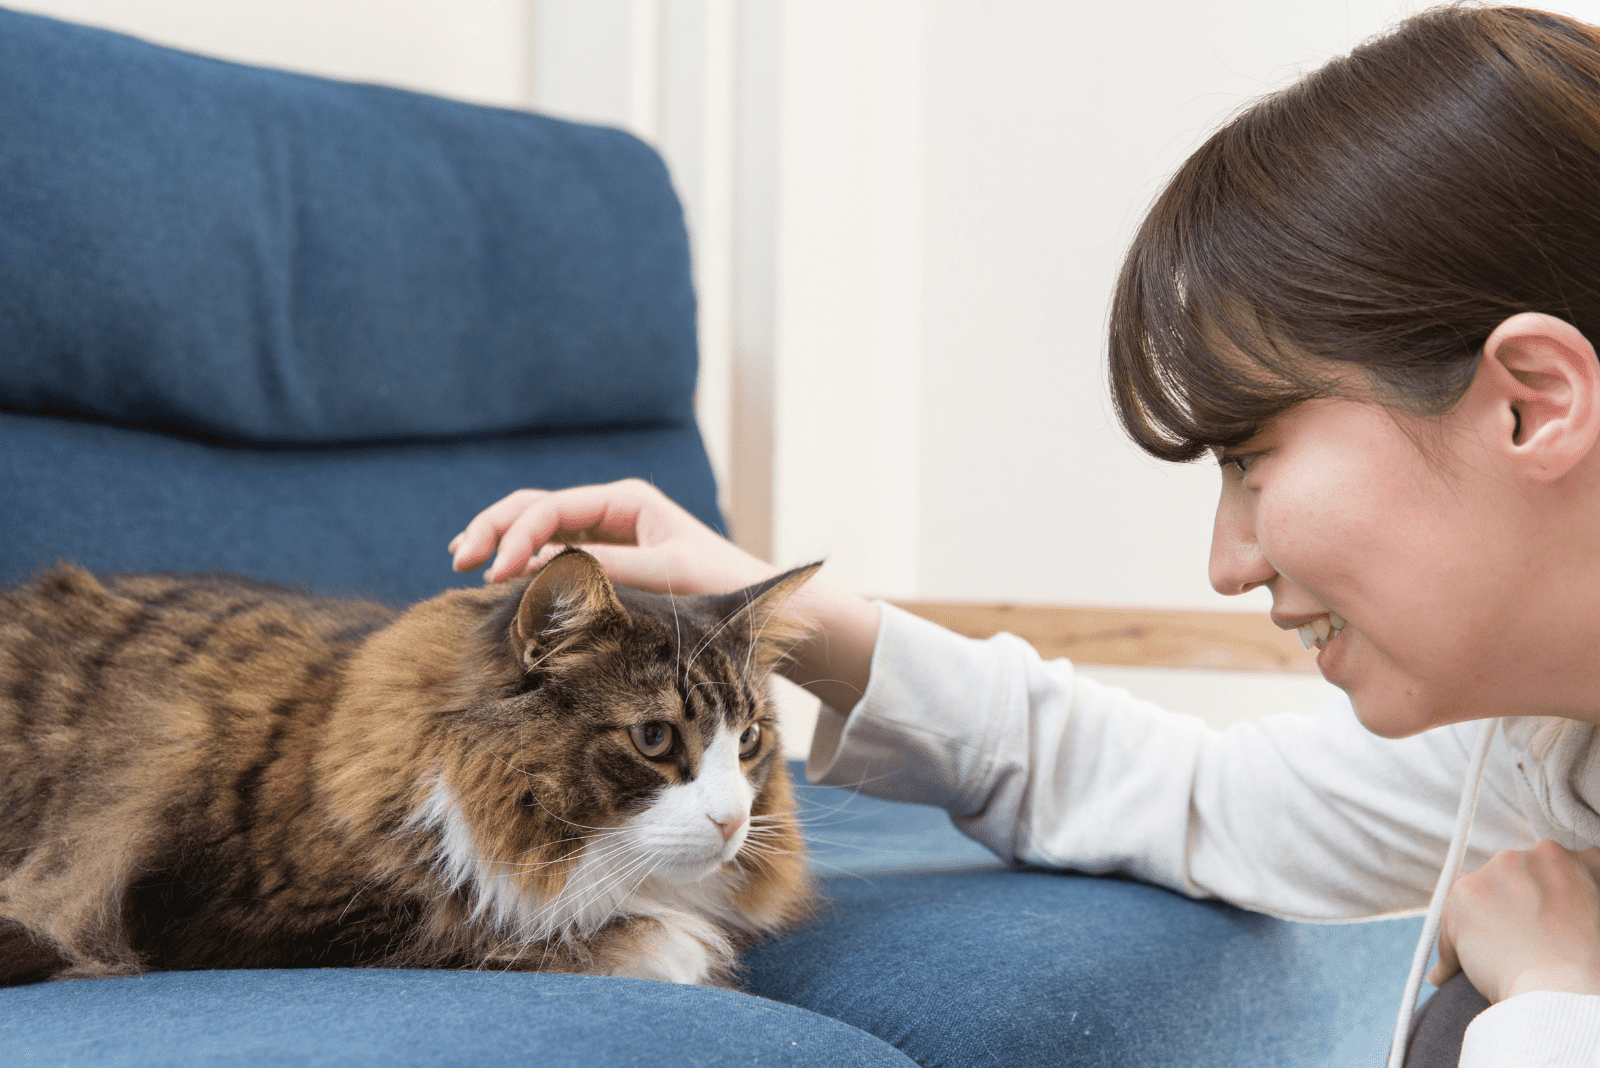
x,y
1371,297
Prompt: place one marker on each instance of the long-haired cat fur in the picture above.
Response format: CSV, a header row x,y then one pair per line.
x,y
555,774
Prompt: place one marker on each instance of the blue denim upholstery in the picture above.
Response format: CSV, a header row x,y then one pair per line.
x,y
365,520
1025,967
932,944
409,1019
256,256
302,330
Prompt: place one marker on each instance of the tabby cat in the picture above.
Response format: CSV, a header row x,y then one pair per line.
x,y
203,771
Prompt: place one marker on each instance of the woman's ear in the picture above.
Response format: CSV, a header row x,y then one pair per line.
x,y
1543,382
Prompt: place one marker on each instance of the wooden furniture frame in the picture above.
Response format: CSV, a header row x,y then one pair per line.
x,y
1139,637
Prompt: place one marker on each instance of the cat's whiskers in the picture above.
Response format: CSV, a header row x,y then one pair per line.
x,y
711,636
581,826
811,858
547,921
548,938
606,833
516,861
617,908
618,880
520,866
677,628
760,852
767,846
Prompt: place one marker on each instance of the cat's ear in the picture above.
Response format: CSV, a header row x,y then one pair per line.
x,y
760,615
567,601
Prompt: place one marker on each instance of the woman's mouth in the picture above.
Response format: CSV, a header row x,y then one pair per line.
x,y
1316,633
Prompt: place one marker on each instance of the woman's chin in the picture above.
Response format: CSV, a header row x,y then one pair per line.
x,y
1389,714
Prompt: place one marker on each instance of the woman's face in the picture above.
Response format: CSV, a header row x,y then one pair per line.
x,y
1337,509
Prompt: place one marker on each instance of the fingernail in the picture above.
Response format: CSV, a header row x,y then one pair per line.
x,y
494,569
453,543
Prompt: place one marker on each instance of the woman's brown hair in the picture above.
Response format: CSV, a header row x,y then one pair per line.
x,y
1385,213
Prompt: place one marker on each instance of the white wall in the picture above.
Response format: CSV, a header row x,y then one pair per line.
x,y
1048,128
474,50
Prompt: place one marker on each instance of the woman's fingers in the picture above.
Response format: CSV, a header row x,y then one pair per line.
x,y
642,568
1527,920
527,534
1447,964
524,529
474,544
523,522
584,514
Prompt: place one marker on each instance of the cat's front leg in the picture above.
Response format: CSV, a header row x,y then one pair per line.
x,y
675,947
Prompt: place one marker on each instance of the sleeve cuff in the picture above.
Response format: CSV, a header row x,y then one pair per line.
x,y
932,725
1540,1029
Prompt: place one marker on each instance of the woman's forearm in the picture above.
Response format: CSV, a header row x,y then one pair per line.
x,y
836,661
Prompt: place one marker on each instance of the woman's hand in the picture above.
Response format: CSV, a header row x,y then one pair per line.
x,y
640,536
645,540
1527,920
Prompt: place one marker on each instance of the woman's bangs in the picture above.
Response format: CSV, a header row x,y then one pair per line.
x,y
1192,365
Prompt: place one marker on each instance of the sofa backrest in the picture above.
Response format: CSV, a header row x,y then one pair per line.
x,y
294,274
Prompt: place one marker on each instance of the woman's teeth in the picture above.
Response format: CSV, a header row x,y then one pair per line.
x,y
1319,630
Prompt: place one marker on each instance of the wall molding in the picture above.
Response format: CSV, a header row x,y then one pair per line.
x,y
1132,637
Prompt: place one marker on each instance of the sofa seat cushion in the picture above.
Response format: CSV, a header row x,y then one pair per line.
x,y
998,969
398,1019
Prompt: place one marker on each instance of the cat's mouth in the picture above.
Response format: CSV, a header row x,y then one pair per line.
x,y
691,865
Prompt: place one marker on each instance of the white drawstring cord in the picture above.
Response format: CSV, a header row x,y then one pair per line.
x,y
1447,878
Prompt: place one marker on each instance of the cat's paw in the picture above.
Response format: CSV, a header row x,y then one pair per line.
x,y
674,950
99,970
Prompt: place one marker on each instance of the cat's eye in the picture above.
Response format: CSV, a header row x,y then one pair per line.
x,y
652,739
750,739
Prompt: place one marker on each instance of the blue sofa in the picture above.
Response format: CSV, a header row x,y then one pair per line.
x,y
302,330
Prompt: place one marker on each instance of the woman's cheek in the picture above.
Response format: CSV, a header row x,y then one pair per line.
x,y
1304,545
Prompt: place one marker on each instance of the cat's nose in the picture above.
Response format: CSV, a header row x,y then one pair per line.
x,y
729,827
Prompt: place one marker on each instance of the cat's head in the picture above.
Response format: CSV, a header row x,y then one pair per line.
x,y
630,738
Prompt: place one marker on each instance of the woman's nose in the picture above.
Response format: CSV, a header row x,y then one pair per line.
x,y
1237,562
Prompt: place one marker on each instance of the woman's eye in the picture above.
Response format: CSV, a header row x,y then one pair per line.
x,y
750,739
652,739
1239,461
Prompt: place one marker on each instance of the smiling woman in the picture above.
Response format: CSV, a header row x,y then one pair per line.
x,y
1371,295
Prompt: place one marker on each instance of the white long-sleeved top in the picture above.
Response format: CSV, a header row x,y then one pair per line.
x,y
1304,817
